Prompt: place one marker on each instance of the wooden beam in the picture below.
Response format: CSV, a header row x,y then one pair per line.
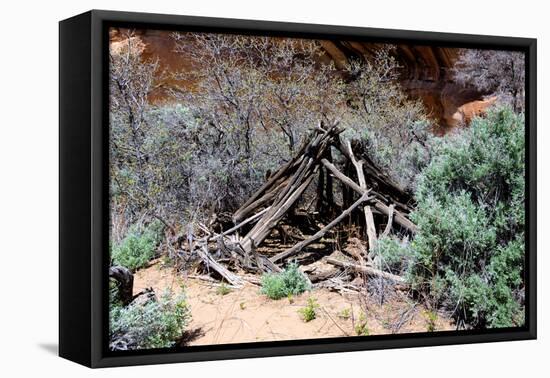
x,y
208,260
367,270
369,219
377,204
319,234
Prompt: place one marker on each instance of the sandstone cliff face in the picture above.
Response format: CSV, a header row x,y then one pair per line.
x,y
425,72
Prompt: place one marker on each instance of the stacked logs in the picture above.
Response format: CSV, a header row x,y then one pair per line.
x,y
376,197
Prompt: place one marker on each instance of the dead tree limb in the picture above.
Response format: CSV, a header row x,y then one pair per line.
x,y
369,218
319,234
235,228
377,204
125,283
390,221
272,217
232,279
367,270
273,182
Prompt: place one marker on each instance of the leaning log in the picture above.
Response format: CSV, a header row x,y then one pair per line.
x,y
369,218
208,260
235,228
367,270
399,218
319,234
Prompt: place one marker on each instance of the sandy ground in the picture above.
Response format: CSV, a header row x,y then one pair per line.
x,y
245,315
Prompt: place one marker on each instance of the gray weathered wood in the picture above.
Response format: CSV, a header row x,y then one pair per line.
x,y
319,234
367,270
377,204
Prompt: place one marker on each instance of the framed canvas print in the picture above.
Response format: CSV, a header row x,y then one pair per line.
x,y
234,188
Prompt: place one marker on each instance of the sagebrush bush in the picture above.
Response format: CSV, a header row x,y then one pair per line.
x,y
138,247
469,251
287,283
155,324
392,254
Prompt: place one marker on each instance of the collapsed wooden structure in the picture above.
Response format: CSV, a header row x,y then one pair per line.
x,y
377,204
369,200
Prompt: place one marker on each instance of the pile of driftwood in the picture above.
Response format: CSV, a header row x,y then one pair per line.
x,y
369,201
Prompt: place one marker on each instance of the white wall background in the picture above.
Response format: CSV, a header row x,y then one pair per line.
x,y
29,189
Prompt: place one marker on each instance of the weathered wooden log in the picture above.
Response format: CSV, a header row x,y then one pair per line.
x,y
315,277
265,199
387,229
235,228
208,260
367,270
270,219
380,182
304,243
369,218
272,182
125,283
378,205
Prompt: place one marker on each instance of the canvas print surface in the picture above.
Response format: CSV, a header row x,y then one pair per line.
x,y
269,188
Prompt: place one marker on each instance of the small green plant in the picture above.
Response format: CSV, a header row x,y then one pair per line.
x,y
138,247
361,328
223,289
289,282
242,305
394,254
290,298
345,314
309,312
431,319
154,324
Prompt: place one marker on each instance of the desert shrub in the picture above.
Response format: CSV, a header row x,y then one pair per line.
x,y
392,254
309,312
138,247
469,252
154,324
290,281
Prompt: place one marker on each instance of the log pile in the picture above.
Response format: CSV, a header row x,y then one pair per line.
x,y
369,200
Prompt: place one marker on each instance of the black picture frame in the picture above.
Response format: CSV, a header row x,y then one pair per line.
x,y
83,195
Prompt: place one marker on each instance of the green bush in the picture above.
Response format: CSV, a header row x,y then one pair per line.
x,y
138,247
155,324
309,312
289,282
469,251
393,254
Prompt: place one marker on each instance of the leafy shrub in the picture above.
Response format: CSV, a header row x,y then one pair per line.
x,y
310,311
138,247
393,254
155,324
289,282
469,251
